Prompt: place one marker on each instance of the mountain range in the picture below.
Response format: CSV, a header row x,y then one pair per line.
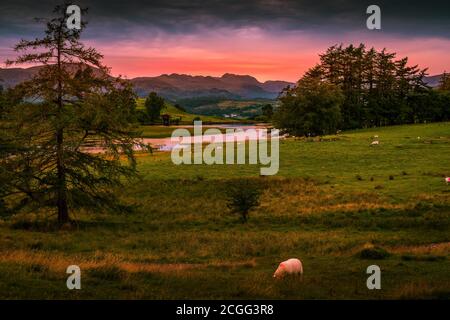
x,y
182,86
228,86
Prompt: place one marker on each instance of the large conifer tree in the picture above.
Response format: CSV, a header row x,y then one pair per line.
x,y
71,128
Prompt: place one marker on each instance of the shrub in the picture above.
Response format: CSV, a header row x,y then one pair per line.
x,y
153,105
242,197
373,253
142,117
196,119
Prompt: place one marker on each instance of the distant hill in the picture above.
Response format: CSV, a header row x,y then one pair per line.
x,y
180,86
433,81
228,86
12,76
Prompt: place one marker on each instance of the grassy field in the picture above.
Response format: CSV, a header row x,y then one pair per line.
x,y
330,200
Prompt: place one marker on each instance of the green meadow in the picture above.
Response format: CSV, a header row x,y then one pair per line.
x,y
337,203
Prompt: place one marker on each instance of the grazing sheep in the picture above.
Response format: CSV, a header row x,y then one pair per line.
x,y
375,136
291,266
375,143
447,180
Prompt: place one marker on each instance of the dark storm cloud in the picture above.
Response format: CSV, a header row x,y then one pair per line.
x,y
118,18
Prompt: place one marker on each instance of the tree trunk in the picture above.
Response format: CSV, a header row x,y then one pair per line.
x,y
63,210
244,216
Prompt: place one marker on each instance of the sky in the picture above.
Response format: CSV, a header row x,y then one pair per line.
x,y
268,39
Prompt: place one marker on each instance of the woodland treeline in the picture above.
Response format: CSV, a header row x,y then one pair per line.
x,y
355,87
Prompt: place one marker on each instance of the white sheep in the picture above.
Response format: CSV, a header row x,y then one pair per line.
x,y
375,143
291,266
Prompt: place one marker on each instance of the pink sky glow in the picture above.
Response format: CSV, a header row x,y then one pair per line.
x,y
263,54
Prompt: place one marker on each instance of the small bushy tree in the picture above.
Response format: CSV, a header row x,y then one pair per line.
x,y
242,197
153,105
197,118
267,111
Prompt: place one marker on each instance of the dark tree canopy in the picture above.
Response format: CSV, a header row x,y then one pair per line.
x,y
70,109
311,108
267,111
154,104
